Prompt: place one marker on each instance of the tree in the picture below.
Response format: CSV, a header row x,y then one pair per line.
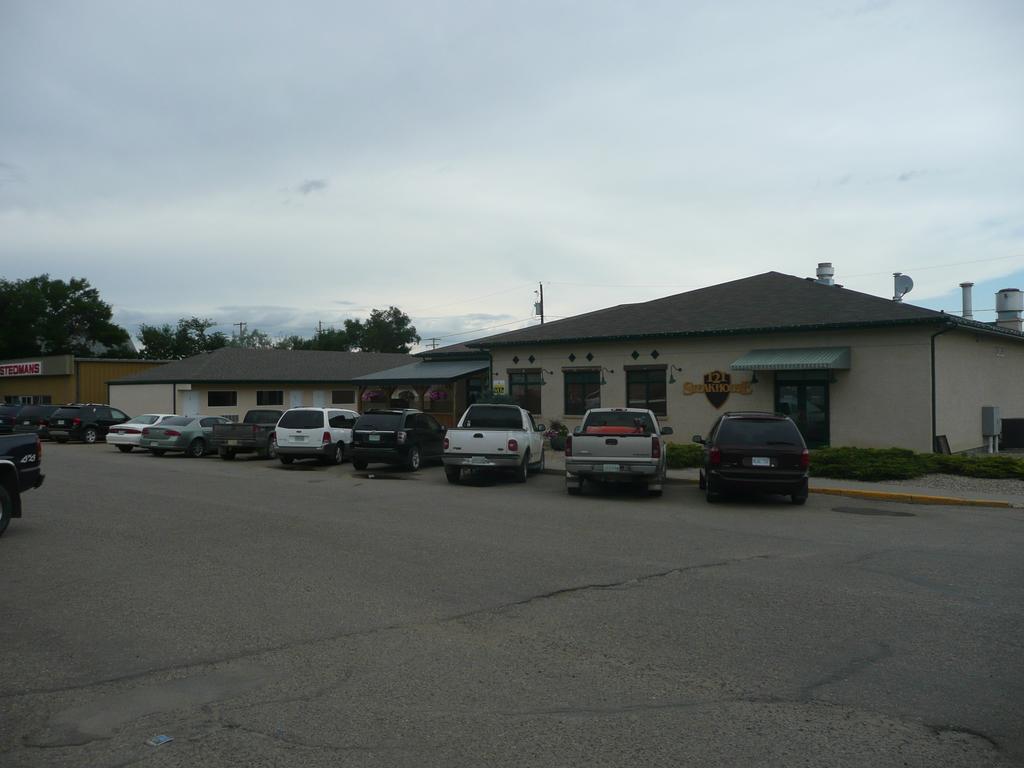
x,y
190,337
254,339
52,317
389,330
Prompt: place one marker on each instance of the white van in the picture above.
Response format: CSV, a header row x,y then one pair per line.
x,y
315,433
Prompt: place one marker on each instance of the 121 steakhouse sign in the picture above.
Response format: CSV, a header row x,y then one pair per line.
x,y
21,369
717,387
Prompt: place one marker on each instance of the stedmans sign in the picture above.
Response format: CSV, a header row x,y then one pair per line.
x,y
21,369
717,387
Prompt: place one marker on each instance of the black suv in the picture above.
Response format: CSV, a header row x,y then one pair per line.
x,y
754,452
402,436
35,419
87,422
8,414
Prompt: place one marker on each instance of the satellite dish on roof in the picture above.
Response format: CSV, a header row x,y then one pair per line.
x,y
902,285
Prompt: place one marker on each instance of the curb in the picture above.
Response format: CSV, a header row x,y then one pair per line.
x,y
904,498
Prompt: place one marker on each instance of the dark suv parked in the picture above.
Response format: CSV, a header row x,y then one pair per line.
x,y
35,419
406,437
754,452
8,414
87,422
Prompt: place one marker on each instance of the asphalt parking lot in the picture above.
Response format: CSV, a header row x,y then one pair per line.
x,y
316,616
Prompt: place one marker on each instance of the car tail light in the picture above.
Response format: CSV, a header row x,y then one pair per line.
x,y
76,421
568,445
401,437
43,423
513,446
39,449
655,448
172,433
805,459
145,431
446,443
715,456
126,431
326,440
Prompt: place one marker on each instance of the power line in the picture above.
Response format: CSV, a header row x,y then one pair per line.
x,y
468,301
938,266
488,328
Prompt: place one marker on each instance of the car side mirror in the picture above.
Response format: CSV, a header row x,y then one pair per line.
x,y
577,430
541,428
666,431
698,439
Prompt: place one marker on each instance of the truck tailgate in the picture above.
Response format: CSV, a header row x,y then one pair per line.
x,y
620,447
481,442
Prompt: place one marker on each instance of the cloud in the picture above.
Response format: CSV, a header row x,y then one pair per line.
x,y
309,186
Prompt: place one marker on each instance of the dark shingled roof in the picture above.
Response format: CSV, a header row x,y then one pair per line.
x,y
763,303
257,365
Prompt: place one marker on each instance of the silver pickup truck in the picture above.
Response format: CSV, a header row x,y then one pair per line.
x,y
617,445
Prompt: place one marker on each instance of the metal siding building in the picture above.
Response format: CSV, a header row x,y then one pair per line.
x,y
64,378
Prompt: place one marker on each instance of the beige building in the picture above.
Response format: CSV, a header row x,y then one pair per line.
x,y
850,368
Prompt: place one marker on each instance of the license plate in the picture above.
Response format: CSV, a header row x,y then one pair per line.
x,y
60,421
478,460
760,461
26,423
374,438
610,468
232,442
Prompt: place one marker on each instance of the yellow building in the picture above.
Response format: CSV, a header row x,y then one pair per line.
x,y
64,378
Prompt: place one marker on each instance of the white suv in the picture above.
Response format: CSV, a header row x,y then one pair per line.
x,y
315,433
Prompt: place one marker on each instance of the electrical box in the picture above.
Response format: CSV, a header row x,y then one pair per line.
x,y
991,422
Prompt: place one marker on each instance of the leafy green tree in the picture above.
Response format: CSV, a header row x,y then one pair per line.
x,y
389,330
190,337
254,339
53,317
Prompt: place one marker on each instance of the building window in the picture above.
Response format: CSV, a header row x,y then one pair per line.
x,y
221,398
582,391
269,397
343,396
646,389
524,389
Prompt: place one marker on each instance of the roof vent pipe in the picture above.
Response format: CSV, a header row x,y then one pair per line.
x,y
825,273
968,311
1009,306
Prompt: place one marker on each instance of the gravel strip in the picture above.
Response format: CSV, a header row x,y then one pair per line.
x,y
961,484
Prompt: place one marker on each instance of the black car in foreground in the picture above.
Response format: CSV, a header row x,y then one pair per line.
x,y
754,452
406,437
8,415
34,419
87,422
21,458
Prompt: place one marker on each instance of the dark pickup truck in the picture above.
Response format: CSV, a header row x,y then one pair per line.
x,y
254,434
21,459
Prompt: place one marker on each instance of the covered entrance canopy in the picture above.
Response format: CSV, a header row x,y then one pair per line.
x,y
812,359
442,388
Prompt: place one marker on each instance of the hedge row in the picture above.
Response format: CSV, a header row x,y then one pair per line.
x,y
878,463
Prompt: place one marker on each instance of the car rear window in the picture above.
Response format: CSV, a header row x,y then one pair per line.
x,y
62,413
302,420
146,418
759,432
618,423
9,410
177,421
35,411
380,421
493,417
262,417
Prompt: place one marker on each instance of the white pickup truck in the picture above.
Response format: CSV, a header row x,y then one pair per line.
x,y
494,437
617,445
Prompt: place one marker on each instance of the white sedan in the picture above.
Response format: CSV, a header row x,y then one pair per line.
x,y
127,435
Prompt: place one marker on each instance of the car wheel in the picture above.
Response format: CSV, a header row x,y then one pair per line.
x,y
539,468
523,470
573,490
701,482
6,508
196,449
654,492
359,464
124,448
412,461
709,492
271,448
337,456
800,496
90,435
227,454
157,451
286,459
454,475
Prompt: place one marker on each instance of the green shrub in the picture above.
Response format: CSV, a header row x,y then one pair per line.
x,y
682,455
872,464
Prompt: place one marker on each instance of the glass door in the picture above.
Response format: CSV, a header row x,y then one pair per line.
x,y
803,396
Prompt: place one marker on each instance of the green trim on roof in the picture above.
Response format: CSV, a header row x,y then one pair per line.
x,y
811,359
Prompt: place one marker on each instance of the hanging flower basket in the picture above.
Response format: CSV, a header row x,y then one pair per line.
x,y
372,395
437,394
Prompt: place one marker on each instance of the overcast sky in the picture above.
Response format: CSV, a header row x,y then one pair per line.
x,y
287,163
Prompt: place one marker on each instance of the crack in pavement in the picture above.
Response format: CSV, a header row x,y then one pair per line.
x,y
369,632
881,652
938,730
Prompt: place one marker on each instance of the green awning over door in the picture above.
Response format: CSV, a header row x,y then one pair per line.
x,y
812,359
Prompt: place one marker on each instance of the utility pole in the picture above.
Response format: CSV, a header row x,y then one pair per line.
x,y
538,308
241,328
319,327
433,342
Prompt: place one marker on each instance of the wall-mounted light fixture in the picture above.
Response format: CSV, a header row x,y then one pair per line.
x,y
603,369
753,377
544,381
671,378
